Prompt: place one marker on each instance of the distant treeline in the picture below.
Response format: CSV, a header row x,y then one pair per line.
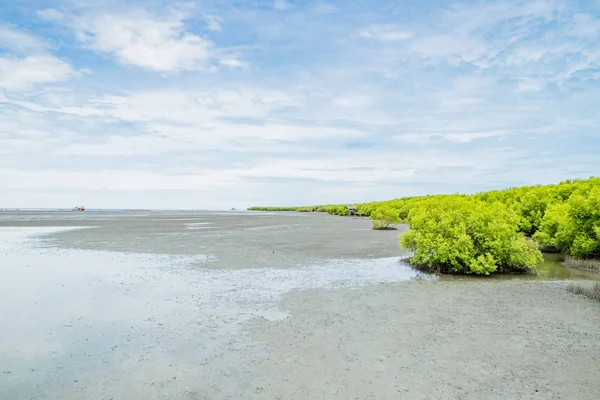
x,y
274,208
495,231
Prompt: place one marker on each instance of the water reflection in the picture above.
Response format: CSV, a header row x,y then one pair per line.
x,y
552,269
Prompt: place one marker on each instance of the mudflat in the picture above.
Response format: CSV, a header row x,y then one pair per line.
x,y
236,239
432,340
235,305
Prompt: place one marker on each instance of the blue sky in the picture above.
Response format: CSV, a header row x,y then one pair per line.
x,y
219,104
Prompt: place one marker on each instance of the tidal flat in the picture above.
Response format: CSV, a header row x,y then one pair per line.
x,y
242,305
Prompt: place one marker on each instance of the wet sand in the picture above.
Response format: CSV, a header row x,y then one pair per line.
x,y
197,306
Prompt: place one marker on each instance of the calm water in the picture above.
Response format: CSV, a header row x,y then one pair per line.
x,y
553,269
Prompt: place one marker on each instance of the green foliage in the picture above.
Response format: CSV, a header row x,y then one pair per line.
x,y
465,235
573,227
384,216
555,229
483,233
274,208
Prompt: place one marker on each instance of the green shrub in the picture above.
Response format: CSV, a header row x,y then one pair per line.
x,y
273,209
384,216
555,229
456,234
573,227
564,217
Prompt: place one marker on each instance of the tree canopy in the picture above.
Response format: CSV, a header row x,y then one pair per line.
x,y
486,232
465,235
385,216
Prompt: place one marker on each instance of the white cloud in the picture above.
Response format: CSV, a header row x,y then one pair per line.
x,y
130,145
188,106
169,121
313,118
530,85
462,137
461,102
232,62
352,100
385,33
17,40
462,47
467,18
195,106
165,138
49,14
159,44
468,34
214,23
27,61
365,168
472,84
111,179
154,42
246,101
22,73
585,25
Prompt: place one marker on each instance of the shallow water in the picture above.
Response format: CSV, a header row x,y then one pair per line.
x,y
552,269
130,305
100,324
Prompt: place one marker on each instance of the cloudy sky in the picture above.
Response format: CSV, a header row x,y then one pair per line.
x,y
232,103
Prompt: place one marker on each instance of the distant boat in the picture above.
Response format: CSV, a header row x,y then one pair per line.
x,y
82,208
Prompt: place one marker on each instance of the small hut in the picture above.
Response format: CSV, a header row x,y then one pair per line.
x,y
352,210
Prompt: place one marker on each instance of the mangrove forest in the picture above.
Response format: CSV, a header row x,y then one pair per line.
x,y
494,231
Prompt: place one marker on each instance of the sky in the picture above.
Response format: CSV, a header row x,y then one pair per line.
x,y
232,103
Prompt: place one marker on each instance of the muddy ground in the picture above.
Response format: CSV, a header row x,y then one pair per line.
x,y
433,340
237,239
198,306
